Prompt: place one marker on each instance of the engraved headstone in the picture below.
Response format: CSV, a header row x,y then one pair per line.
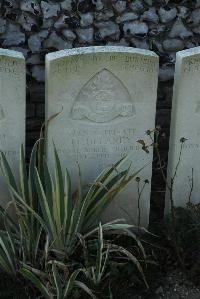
x,y
185,123
106,97
12,110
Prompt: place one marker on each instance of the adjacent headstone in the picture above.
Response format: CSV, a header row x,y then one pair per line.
x,y
185,124
12,110
106,97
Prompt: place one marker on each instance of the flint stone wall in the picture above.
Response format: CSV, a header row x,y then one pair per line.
x,y
37,27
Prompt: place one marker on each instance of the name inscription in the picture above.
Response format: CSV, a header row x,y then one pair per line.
x,y
90,144
192,65
9,66
194,146
126,62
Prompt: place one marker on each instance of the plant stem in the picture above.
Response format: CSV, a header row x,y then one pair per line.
x,y
170,188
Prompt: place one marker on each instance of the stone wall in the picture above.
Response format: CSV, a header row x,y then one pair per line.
x,y
37,27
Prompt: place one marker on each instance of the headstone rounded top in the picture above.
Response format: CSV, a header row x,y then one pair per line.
x,y
98,49
188,52
184,133
11,53
105,100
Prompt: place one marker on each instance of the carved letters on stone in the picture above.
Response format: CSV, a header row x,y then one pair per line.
x,y
108,95
12,111
2,114
103,98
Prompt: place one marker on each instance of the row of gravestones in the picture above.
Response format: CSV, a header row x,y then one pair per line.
x,y
105,100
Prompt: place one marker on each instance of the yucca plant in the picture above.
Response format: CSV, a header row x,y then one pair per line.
x,y
107,251
96,272
51,223
55,283
20,238
46,209
62,216
93,270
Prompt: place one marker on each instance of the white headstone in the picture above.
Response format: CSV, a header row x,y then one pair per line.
x,y
12,110
106,97
185,123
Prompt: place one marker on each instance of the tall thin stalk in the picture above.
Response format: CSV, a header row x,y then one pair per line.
x,y
170,186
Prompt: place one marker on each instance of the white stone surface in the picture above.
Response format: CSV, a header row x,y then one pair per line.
x,y
107,100
185,123
12,110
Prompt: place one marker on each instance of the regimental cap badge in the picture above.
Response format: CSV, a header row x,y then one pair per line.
x,y
103,98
